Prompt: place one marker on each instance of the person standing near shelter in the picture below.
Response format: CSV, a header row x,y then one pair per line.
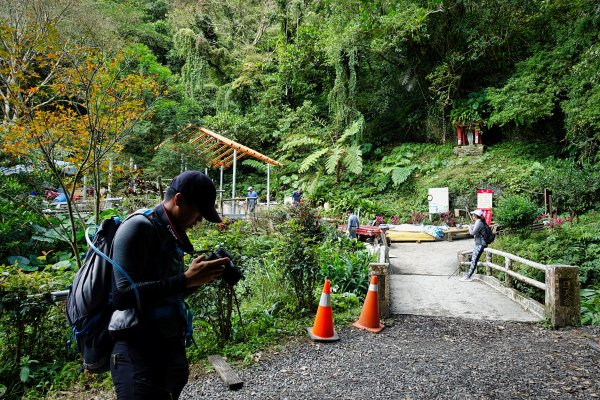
x,y
476,230
353,224
148,360
297,196
252,199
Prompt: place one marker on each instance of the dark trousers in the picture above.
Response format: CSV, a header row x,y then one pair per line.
x,y
352,232
149,370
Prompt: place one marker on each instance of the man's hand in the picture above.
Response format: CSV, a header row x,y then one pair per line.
x,y
201,271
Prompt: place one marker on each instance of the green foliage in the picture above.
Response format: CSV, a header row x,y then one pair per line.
x,y
590,306
531,94
468,112
33,330
582,106
515,212
18,220
297,256
345,263
170,158
574,189
572,243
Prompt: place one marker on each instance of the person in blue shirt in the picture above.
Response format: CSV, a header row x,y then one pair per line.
x,y
252,199
297,196
353,224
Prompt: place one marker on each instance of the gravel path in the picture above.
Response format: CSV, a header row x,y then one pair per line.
x,y
418,357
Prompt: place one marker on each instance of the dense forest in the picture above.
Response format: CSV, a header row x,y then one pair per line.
x,y
360,100
324,86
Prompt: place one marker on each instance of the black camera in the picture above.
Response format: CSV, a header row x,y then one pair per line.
x,y
231,274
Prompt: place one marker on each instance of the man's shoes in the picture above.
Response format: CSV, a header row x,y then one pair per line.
x,y
466,279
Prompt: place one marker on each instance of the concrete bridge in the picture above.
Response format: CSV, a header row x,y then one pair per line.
x,y
419,285
417,281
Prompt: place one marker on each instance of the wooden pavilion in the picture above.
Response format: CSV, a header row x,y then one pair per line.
x,y
224,153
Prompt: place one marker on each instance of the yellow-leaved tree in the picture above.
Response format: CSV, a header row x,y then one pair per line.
x,y
90,106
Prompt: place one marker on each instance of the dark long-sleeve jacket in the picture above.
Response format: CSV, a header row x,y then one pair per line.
x,y
153,259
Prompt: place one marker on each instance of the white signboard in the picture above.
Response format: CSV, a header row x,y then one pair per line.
x,y
484,199
438,200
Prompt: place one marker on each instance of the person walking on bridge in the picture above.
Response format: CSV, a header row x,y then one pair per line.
x,y
353,224
476,230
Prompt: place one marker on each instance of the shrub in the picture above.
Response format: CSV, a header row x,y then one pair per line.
x,y
416,217
297,254
515,212
347,266
590,306
33,331
574,189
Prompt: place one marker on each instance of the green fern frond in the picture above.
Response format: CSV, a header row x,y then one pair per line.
x,y
311,159
401,174
299,141
353,159
333,160
352,130
258,165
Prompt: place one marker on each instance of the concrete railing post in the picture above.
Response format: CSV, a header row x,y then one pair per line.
x,y
562,295
382,271
508,266
488,260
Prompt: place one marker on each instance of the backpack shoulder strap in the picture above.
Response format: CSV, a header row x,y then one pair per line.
x,y
147,213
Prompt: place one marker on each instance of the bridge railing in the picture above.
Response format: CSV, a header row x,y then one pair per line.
x,y
381,268
560,286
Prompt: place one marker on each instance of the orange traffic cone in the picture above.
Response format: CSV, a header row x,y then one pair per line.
x,y
369,317
322,330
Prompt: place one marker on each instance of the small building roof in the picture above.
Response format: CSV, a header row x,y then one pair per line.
x,y
219,150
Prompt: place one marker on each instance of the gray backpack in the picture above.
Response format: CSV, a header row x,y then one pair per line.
x,y
89,302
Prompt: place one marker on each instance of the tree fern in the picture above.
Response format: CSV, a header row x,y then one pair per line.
x,y
334,159
353,130
353,159
258,165
401,174
301,140
311,159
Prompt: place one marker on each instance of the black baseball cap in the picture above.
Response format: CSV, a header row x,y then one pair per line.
x,y
198,189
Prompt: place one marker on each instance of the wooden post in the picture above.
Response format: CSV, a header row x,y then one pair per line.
x,y
562,295
547,201
160,188
507,279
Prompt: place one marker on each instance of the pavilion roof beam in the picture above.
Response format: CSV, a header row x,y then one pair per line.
x,y
204,143
217,160
240,148
211,148
227,162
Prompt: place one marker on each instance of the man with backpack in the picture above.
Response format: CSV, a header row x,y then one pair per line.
x,y
148,360
483,236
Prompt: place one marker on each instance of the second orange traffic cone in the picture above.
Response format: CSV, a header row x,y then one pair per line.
x,y
369,317
322,330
